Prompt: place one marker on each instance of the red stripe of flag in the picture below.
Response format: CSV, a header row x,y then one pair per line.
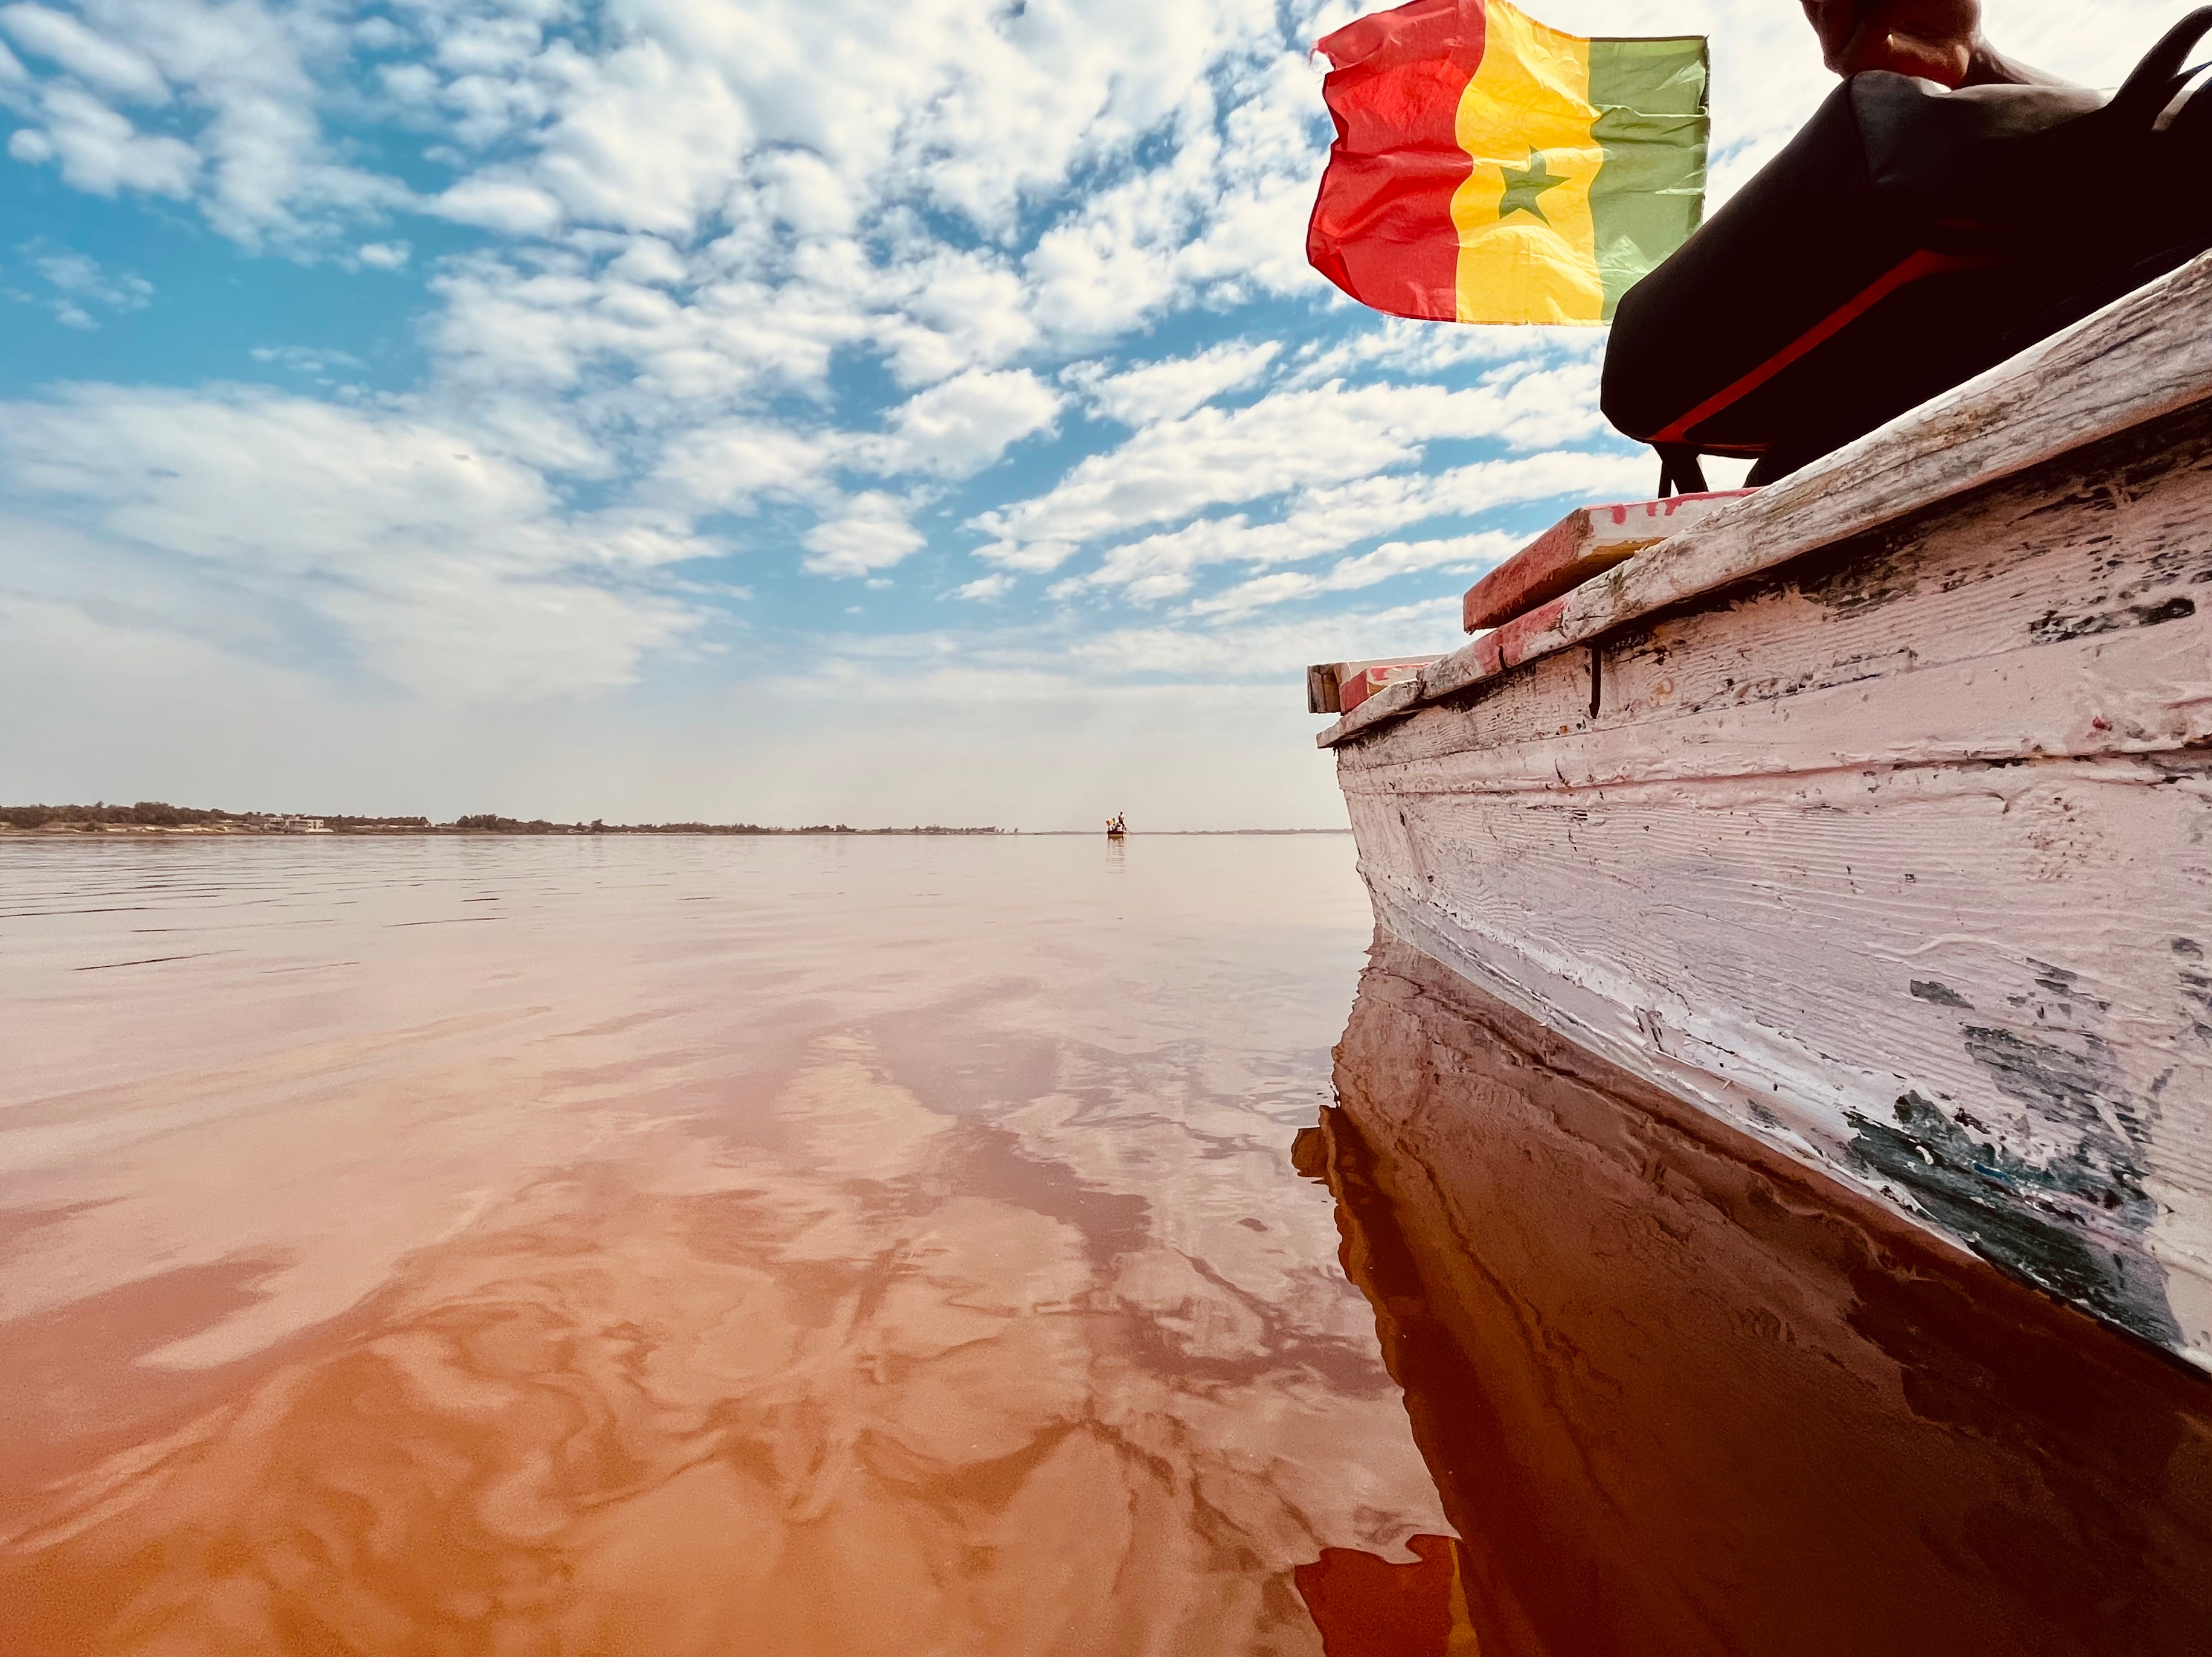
x,y
1381,226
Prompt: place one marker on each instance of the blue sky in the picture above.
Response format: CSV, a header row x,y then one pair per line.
x,y
884,410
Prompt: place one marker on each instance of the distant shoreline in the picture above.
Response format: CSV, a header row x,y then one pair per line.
x,y
446,831
156,817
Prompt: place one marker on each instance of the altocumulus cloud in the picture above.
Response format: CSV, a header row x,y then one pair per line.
x,y
706,347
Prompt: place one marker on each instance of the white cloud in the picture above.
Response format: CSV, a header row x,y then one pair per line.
x,y
1105,267
1428,348
649,260
963,424
802,191
318,365
74,273
561,327
1460,555
489,46
107,65
99,151
731,465
384,255
79,282
1275,651
977,109
453,570
246,71
869,532
508,205
474,635
1168,390
1327,519
651,142
1285,440
940,311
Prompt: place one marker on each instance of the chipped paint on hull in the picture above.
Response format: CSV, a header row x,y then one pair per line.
x,y
1898,856
2014,1213
1683,1398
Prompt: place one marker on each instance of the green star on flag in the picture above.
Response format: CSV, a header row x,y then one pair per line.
x,y
1522,187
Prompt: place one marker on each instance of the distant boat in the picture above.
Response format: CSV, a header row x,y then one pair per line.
x,y
1869,812
1116,826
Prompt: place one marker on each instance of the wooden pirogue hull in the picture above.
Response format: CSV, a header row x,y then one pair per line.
x,y
1874,815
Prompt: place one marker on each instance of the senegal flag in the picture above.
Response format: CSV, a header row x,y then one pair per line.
x,y
1489,169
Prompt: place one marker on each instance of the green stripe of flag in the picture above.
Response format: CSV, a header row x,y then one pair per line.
x,y
1649,192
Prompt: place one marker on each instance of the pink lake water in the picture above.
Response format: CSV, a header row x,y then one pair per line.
x,y
639,1246
650,1245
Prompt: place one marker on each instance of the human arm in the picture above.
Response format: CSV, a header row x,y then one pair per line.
x,y
1938,40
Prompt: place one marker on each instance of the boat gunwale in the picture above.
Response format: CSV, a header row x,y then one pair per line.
x,y
2147,354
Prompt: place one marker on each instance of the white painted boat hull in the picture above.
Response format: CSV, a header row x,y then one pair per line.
x,y
1894,851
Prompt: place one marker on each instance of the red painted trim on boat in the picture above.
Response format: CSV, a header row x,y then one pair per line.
x,y
1571,552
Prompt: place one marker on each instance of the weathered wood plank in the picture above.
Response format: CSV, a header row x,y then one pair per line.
x,y
1339,687
2014,605
1356,687
2158,698
2145,355
1586,542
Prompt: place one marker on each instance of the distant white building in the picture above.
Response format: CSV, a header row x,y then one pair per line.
x,y
286,825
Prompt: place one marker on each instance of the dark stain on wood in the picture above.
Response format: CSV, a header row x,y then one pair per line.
x,y
2195,983
2051,628
1943,995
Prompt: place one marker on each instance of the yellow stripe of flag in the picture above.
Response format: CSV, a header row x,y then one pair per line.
x,y
1528,243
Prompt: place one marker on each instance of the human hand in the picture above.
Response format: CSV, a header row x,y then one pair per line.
x,y
1939,41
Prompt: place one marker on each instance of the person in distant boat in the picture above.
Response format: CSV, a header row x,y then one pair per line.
x,y
1117,824
1935,39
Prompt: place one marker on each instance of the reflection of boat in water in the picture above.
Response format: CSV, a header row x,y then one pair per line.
x,y
1681,1395
1117,827
1870,813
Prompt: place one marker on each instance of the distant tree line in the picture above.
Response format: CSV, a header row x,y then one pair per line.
x,y
488,824
150,813
158,814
